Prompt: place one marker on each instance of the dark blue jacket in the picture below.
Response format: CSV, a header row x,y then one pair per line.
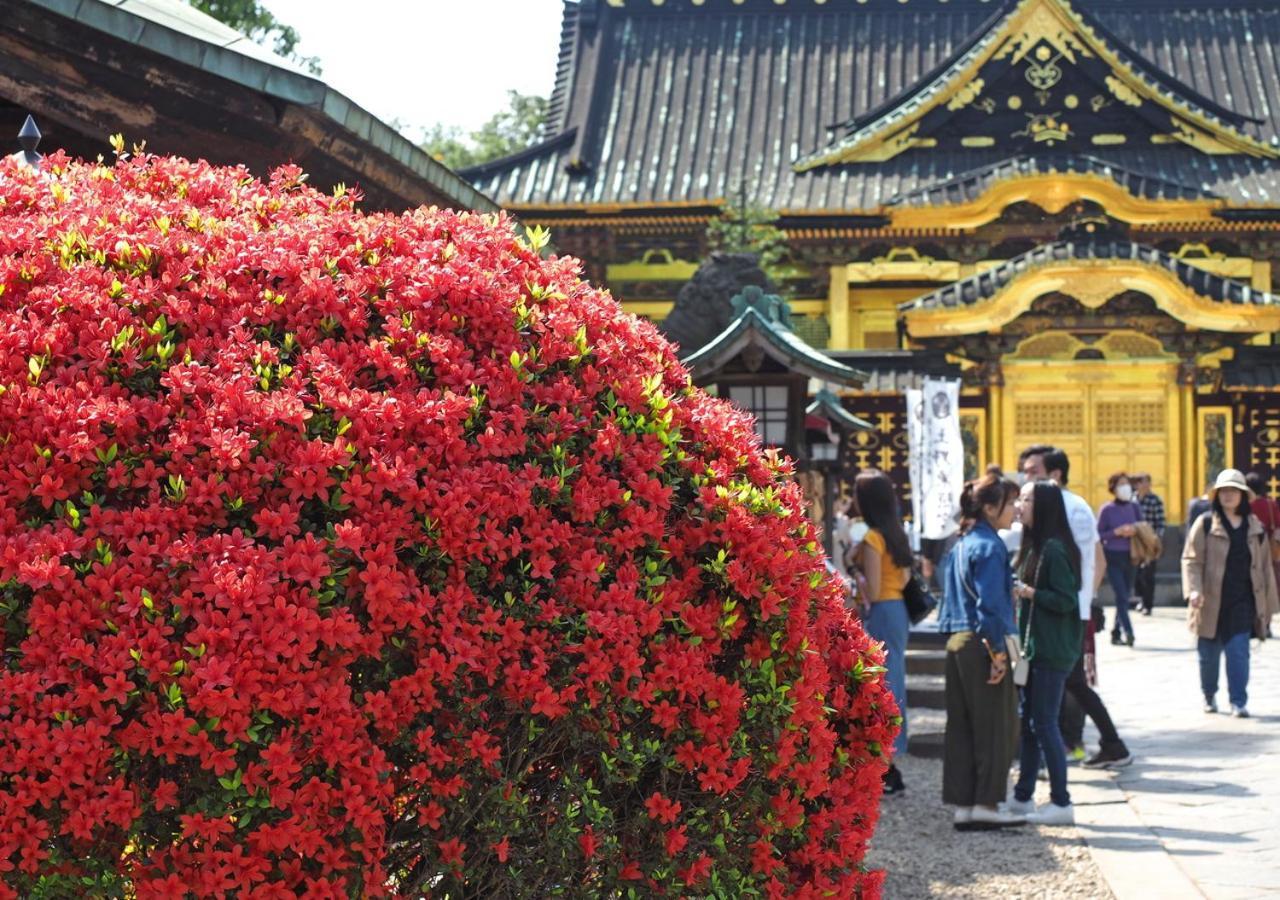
x,y
978,594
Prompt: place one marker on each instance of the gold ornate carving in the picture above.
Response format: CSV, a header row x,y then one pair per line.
x,y
1045,128
1054,345
986,104
1123,92
1109,140
1132,345
1098,103
966,95
1045,75
1053,192
1042,29
1197,250
1053,24
1093,282
1200,139
903,264
1091,291
977,140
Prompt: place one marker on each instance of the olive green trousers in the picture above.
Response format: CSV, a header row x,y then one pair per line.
x,y
982,727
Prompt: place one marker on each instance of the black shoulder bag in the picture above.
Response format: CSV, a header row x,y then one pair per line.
x,y
916,597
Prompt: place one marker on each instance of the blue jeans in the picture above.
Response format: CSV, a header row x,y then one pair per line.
x,y
888,623
1120,576
1041,704
1237,650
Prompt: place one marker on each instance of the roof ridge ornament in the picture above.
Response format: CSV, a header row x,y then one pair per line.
x,y
770,307
28,139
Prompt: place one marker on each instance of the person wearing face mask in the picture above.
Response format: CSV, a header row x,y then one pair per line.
x,y
1116,521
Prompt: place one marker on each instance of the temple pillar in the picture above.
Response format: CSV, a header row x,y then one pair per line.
x,y
838,308
1188,447
993,375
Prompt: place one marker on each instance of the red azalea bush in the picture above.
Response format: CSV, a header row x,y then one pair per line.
x,y
349,555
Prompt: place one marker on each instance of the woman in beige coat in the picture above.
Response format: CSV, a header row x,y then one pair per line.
x,y
1230,587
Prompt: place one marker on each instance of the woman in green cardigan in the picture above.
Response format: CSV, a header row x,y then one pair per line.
x,y
1048,568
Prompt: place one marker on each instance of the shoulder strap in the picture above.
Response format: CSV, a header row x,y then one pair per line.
x,y
964,581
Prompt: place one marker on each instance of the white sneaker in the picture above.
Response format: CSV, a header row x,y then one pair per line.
x,y
1239,712
963,818
983,819
1052,814
1018,807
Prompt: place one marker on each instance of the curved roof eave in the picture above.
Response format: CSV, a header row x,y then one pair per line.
x,y
186,35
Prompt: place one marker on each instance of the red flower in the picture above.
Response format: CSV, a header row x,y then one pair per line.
x,y
661,809
336,539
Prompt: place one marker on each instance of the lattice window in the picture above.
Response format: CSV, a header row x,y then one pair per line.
x,y
1045,345
1048,418
1130,418
768,403
813,329
1133,345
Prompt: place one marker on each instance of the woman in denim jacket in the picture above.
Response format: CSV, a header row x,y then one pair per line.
x,y
977,614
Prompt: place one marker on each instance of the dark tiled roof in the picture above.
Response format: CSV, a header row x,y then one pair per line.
x,y
188,37
900,110
1252,367
988,283
828,406
971,185
681,103
894,371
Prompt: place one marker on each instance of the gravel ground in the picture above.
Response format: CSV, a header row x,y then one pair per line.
x,y
925,857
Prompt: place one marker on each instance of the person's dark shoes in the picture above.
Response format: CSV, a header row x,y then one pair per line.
x,y
893,781
1146,610
1109,758
1128,639
1210,705
1116,641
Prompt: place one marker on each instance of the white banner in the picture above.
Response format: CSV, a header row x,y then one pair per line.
x,y
936,458
915,473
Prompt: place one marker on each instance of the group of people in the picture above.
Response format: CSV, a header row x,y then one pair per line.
x,y
1018,584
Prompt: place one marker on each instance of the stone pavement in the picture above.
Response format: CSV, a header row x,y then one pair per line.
x,y
1198,813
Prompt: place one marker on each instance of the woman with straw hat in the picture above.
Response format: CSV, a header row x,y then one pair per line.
x,y
1230,588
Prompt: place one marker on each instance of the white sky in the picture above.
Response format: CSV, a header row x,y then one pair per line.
x,y
428,61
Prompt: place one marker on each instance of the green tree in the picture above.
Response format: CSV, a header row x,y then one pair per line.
x,y
507,131
744,227
255,21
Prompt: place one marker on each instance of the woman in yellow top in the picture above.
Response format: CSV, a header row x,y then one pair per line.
x,y
885,557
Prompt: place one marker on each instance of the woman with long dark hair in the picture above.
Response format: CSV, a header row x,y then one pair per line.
x,y
885,559
1049,624
976,614
1230,586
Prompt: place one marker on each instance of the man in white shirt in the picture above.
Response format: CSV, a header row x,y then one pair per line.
x,y
1039,462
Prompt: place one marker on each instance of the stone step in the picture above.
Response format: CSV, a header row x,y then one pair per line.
x,y
926,732
926,692
926,662
928,745
927,638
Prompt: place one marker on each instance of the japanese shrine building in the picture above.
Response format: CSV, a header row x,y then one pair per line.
x,y
1074,203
